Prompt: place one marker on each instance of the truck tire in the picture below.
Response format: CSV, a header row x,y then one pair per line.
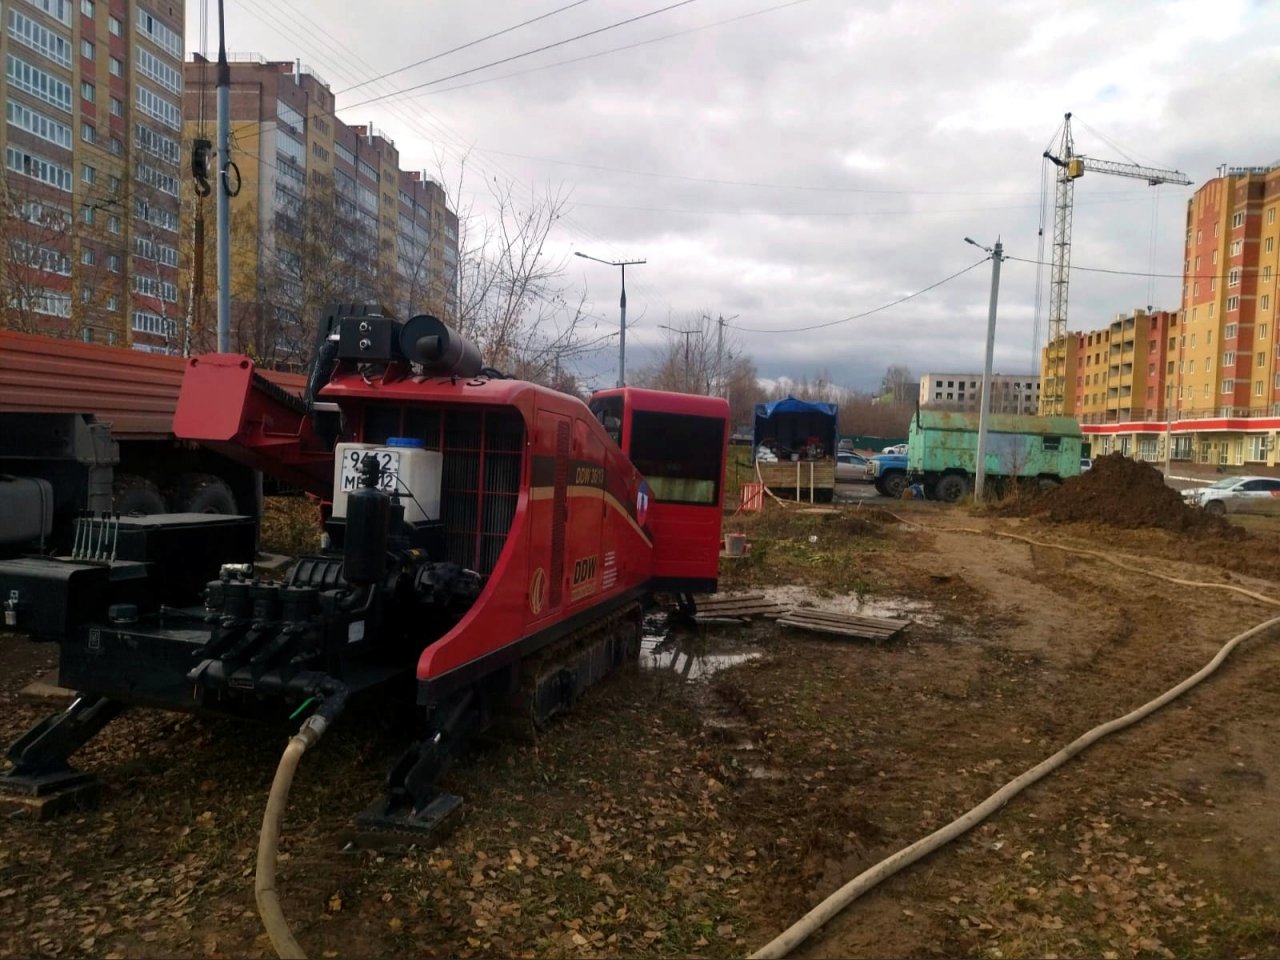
x,y
136,495
893,483
203,493
952,488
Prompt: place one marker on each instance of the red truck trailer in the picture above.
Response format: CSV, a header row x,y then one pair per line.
x,y
90,427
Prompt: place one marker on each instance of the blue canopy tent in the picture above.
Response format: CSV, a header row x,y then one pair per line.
x,y
787,426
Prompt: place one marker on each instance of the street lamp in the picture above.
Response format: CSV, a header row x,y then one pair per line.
x,y
622,311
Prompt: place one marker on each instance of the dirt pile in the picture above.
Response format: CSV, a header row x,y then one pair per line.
x,y
1129,494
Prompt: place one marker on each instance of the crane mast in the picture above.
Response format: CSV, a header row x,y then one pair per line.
x,y
1071,167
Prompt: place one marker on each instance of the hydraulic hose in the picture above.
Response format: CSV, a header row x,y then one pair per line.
x,y
264,883
803,928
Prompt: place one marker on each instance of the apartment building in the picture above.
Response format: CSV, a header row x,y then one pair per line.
x,y
1017,393
1217,404
325,213
93,111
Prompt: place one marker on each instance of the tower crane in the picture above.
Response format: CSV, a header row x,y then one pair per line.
x,y
1071,167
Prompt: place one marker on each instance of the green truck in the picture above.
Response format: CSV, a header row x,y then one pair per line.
x,y
942,451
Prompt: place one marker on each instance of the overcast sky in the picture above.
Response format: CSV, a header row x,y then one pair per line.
x,y
793,164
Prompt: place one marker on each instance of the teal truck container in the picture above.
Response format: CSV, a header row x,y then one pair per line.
x,y
942,451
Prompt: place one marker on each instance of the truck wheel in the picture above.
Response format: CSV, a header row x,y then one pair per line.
x,y
203,493
894,484
137,495
952,488
878,483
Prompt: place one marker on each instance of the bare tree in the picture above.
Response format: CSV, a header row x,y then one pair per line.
x,y
512,296
896,385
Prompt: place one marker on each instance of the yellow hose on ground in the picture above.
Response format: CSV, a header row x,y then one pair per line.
x,y
803,928
264,881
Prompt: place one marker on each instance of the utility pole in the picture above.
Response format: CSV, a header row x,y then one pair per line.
x,y
980,473
622,310
224,189
686,334
721,383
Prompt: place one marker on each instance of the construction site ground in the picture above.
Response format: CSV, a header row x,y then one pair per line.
x,y
669,816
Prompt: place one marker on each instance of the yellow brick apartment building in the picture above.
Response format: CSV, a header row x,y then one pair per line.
x,y
1201,386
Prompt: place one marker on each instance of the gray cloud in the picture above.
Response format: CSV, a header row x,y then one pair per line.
x,y
817,161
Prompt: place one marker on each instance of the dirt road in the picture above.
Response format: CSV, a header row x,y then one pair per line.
x,y
669,817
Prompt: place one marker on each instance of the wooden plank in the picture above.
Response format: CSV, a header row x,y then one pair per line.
x,y
877,628
730,597
749,605
858,634
851,621
827,616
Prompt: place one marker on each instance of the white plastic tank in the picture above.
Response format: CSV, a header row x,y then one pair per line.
x,y
408,470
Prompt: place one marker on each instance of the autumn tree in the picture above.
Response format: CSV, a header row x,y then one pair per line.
x,y
513,299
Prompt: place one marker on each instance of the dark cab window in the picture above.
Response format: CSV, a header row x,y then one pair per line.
x,y
678,455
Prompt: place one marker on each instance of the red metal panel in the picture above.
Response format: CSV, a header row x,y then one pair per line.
x,y
135,392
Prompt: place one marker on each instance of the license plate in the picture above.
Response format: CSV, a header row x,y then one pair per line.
x,y
388,461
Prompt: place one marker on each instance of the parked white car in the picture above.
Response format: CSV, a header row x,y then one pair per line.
x,y
898,448
1238,495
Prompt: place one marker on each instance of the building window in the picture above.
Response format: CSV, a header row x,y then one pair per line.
x,y
1262,331
1257,388
117,107
1236,247
113,224
113,183
86,8
115,67
1270,243
1233,277
1233,303
153,68
1229,331
1262,358
114,26
28,164
86,91
1237,220
39,38
87,214
113,263
1271,215
39,84
1229,358
1228,386
89,174
88,257
86,49
33,121
159,34
1264,302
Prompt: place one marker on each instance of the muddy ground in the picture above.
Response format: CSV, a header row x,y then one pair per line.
x,y
676,817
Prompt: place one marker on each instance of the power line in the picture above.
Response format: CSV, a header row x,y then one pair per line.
x,y
789,186
819,213
417,121
1139,273
527,53
460,47
867,313
612,50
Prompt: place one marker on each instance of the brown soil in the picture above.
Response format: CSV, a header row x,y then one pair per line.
x,y
1124,493
668,818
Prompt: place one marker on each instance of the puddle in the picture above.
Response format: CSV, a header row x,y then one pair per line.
x,y
892,608
661,653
